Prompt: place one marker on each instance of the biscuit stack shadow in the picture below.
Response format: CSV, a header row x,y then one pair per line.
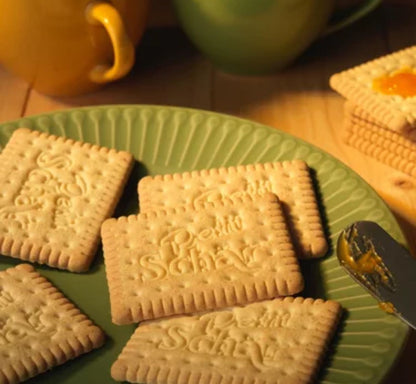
x,y
381,121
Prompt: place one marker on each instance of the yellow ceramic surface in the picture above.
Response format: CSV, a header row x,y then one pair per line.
x,y
67,47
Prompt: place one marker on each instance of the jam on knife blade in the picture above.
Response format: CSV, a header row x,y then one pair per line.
x,y
359,256
380,264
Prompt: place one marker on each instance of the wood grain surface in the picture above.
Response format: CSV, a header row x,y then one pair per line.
x,y
297,100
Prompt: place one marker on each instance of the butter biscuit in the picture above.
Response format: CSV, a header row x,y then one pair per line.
x,y
291,181
182,260
273,342
55,194
39,327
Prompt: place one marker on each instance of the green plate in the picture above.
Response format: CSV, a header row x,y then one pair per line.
x,y
165,140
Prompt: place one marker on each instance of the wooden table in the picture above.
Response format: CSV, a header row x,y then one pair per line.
x,y
298,100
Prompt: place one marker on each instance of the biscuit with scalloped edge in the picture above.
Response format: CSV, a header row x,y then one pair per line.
x,y
39,327
182,260
54,195
289,180
356,84
272,342
372,138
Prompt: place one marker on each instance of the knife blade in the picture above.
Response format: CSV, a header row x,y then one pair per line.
x,y
381,265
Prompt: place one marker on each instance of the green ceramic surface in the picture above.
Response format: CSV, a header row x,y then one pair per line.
x,y
167,139
261,36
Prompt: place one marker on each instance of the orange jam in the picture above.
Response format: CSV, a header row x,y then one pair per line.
x,y
386,306
364,263
401,83
368,262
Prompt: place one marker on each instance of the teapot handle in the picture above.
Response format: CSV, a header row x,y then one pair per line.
x,y
106,15
351,16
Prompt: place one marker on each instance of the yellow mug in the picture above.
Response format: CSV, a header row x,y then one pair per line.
x,y
69,47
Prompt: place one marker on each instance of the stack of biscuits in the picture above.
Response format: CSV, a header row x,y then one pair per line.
x,y
380,108
208,268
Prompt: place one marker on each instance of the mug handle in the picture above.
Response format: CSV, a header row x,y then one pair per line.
x,y
352,16
100,13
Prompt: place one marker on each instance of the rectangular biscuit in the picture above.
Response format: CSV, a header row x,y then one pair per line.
x,y
374,139
396,112
55,193
289,180
39,327
272,342
181,260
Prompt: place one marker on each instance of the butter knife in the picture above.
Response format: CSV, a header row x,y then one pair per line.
x,y
381,265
